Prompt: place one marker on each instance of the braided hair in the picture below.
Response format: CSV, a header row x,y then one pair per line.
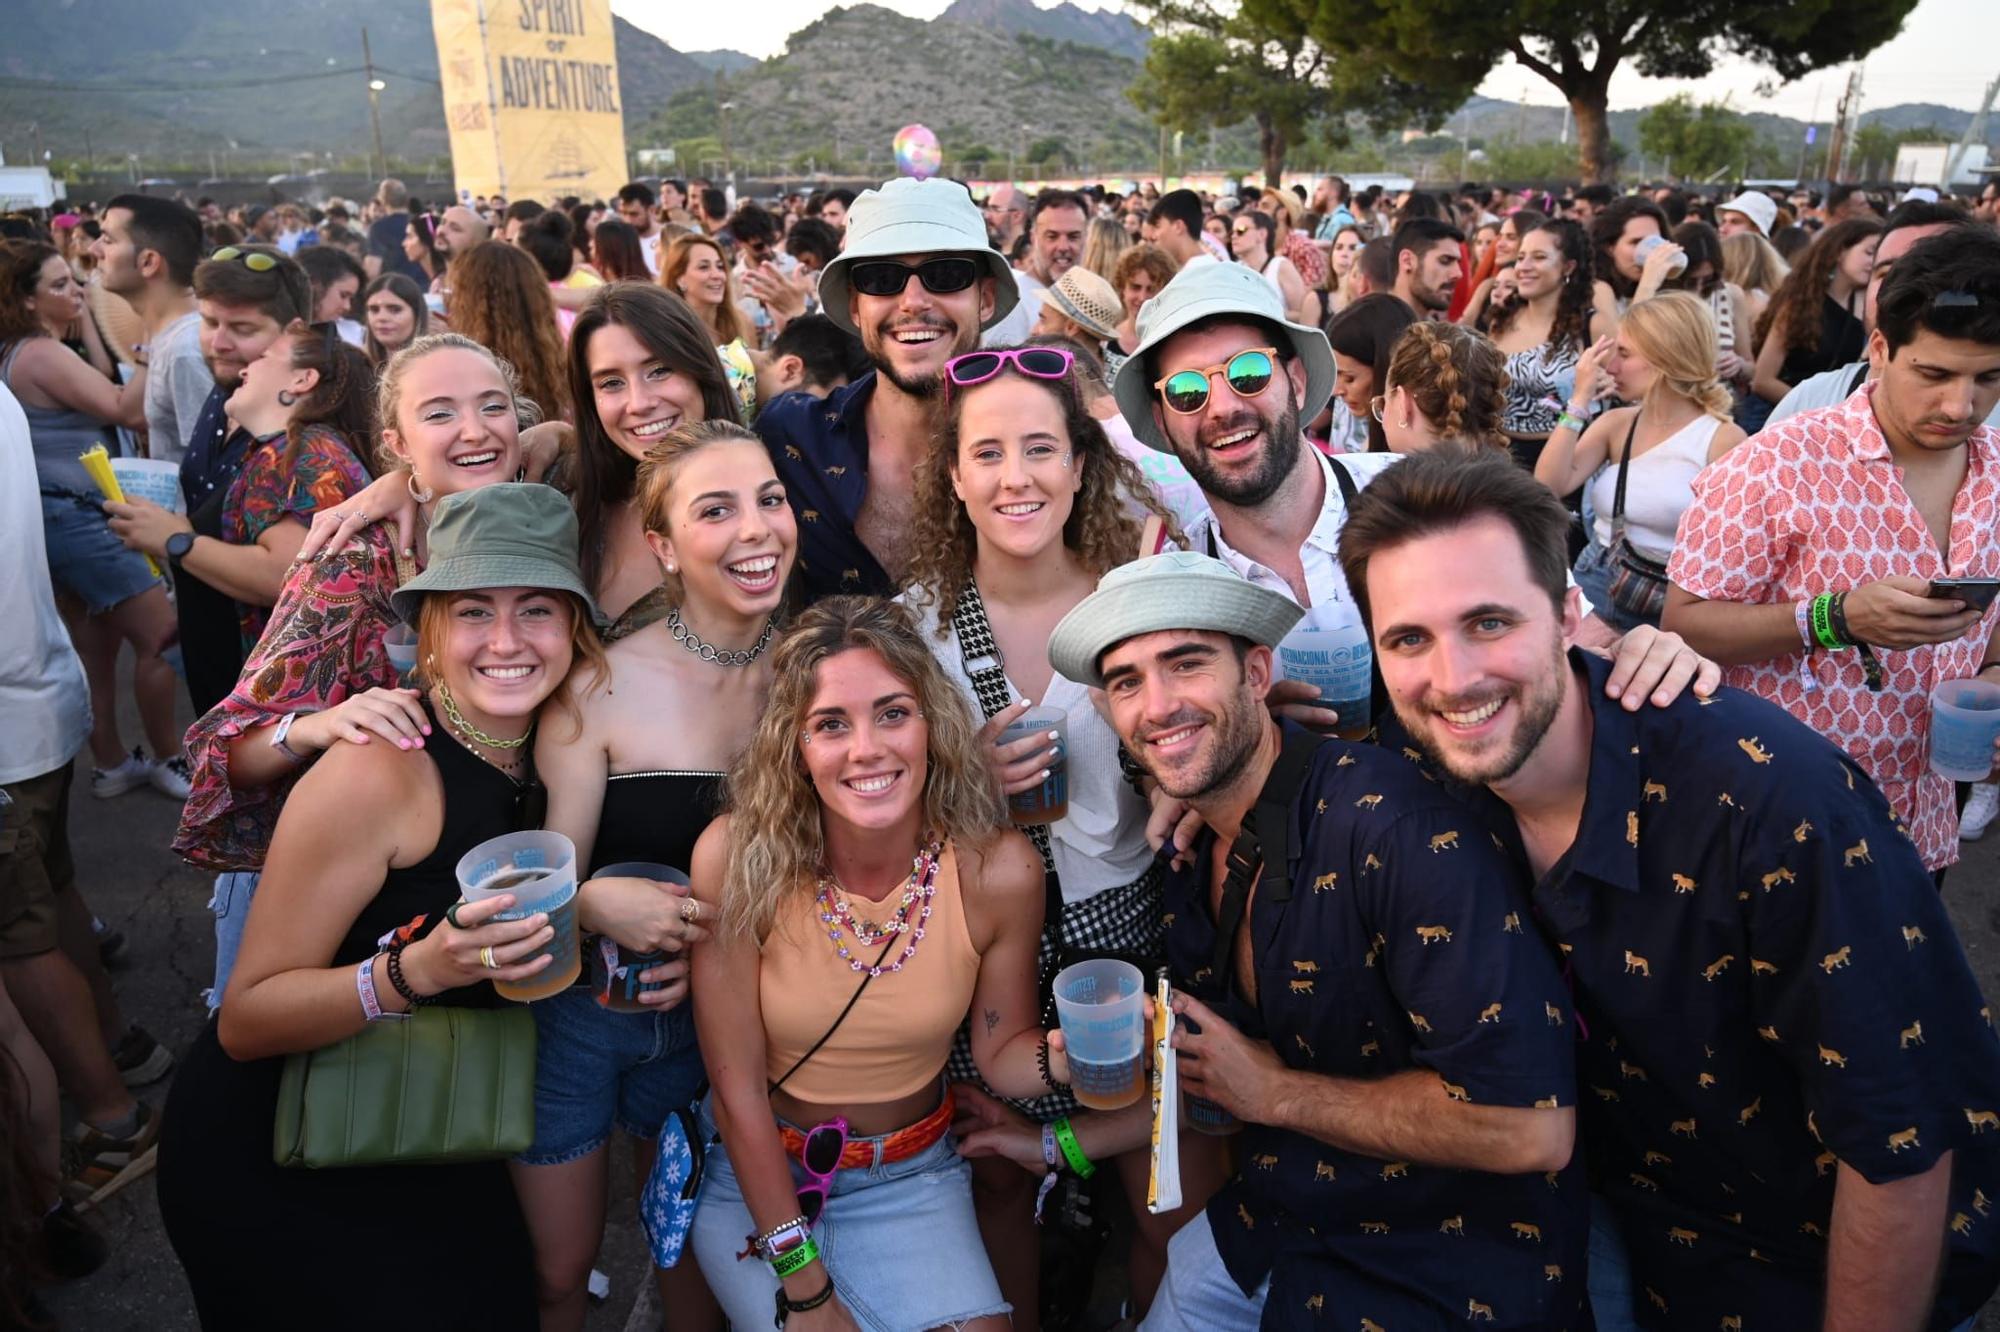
x,y
1456,378
1575,299
343,401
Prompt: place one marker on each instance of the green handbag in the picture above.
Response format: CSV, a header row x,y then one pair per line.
x,y
441,1086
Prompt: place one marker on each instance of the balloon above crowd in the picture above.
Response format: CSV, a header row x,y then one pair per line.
x,y
917,152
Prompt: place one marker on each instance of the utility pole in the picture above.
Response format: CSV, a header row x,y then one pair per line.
x,y
375,87
1974,133
1844,117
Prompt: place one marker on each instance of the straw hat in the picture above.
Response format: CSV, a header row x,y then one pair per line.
x,y
1086,299
911,216
1178,590
1199,292
504,535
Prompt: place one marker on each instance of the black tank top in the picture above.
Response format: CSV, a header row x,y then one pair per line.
x,y
480,801
655,816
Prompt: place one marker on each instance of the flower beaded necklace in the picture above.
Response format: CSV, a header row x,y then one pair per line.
x,y
837,914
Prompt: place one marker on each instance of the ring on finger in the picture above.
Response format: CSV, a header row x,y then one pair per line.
x,y
486,958
690,911
451,915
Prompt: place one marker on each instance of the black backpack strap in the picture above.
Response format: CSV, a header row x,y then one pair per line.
x,y
1269,823
1345,480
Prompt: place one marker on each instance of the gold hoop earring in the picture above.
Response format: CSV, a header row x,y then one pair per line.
x,y
418,492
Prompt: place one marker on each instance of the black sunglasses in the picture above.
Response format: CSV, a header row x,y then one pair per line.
x,y
888,277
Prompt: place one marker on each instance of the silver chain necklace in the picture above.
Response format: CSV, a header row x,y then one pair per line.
x,y
687,638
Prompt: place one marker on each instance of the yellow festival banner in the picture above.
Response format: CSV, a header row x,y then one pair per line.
x,y
531,97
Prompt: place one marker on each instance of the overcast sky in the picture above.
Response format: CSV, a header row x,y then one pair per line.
x,y
1947,51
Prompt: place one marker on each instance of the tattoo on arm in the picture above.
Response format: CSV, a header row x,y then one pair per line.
x,y
992,1020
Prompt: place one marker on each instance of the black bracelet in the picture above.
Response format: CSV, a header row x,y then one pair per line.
x,y
396,980
1042,1063
1836,612
1129,768
787,1307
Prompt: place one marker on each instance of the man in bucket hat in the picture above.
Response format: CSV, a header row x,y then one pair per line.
x,y
1222,380
917,283
1400,1054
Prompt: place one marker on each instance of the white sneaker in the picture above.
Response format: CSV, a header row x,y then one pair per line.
x,y
1980,808
170,777
133,772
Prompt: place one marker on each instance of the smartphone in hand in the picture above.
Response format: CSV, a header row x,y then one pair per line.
x,y
1977,593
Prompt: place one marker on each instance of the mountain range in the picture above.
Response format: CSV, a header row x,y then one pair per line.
x,y
189,80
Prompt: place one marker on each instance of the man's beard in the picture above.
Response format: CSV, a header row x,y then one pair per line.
x,y
1280,455
230,380
1538,701
1431,298
1233,737
924,386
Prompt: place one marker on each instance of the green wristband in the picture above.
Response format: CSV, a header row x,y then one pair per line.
x,y
1080,1165
1572,421
794,1259
1822,623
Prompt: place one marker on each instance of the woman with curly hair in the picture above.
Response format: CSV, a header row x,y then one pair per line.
x,y
1021,507
1444,382
1814,322
500,299
1664,359
695,269
1543,332
866,895
1481,309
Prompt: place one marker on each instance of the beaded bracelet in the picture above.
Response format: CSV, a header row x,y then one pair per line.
x,y
800,1255
1080,1165
396,979
766,1245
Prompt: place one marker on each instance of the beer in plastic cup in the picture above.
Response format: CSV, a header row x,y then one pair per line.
x,y
539,869
1049,801
614,969
1100,1006
1965,722
400,642
1338,659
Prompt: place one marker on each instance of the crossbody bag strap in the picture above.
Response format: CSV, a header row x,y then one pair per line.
x,y
852,1000
987,671
1618,494
1345,480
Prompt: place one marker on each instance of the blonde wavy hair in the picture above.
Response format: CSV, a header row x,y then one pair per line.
x,y
777,841
1103,246
1100,529
1456,378
1753,263
1675,332
389,389
663,462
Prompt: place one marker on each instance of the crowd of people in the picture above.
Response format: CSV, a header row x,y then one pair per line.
x,y
1494,637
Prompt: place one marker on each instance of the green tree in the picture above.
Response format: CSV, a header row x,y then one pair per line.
x,y
1695,142
1217,63
1450,45
1049,151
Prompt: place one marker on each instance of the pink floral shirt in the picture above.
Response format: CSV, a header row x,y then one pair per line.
x,y
323,643
1816,504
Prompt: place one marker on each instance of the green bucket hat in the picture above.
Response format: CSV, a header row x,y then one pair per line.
x,y
508,534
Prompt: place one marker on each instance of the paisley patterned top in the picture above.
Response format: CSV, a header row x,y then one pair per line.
x,y
1404,943
1767,988
267,491
323,643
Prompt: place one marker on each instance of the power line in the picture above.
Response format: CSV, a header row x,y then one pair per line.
x,y
15,83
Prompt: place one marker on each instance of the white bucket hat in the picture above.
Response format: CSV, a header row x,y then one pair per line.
x,y
910,216
1198,293
1178,590
1759,207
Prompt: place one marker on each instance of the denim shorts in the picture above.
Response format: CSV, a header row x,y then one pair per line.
x,y
86,560
1593,575
900,1241
594,1068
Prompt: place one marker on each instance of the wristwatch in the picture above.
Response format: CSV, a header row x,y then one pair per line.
x,y
178,545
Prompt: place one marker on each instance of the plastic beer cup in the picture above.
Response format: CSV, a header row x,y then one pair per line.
x,y
1965,722
614,969
400,642
1100,1006
1049,801
539,869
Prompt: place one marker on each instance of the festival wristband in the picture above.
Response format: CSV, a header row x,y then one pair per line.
x,y
1836,614
1822,623
1079,1164
1049,1148
777,1239
795,1259
364,984
1570,421
1802,617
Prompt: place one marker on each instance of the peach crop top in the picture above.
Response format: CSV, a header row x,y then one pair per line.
x,y
899,1034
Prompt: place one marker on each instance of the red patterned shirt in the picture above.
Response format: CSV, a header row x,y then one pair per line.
x,y
270,489
1816,504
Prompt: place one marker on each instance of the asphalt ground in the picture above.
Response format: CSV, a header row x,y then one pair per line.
x,y
137,885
